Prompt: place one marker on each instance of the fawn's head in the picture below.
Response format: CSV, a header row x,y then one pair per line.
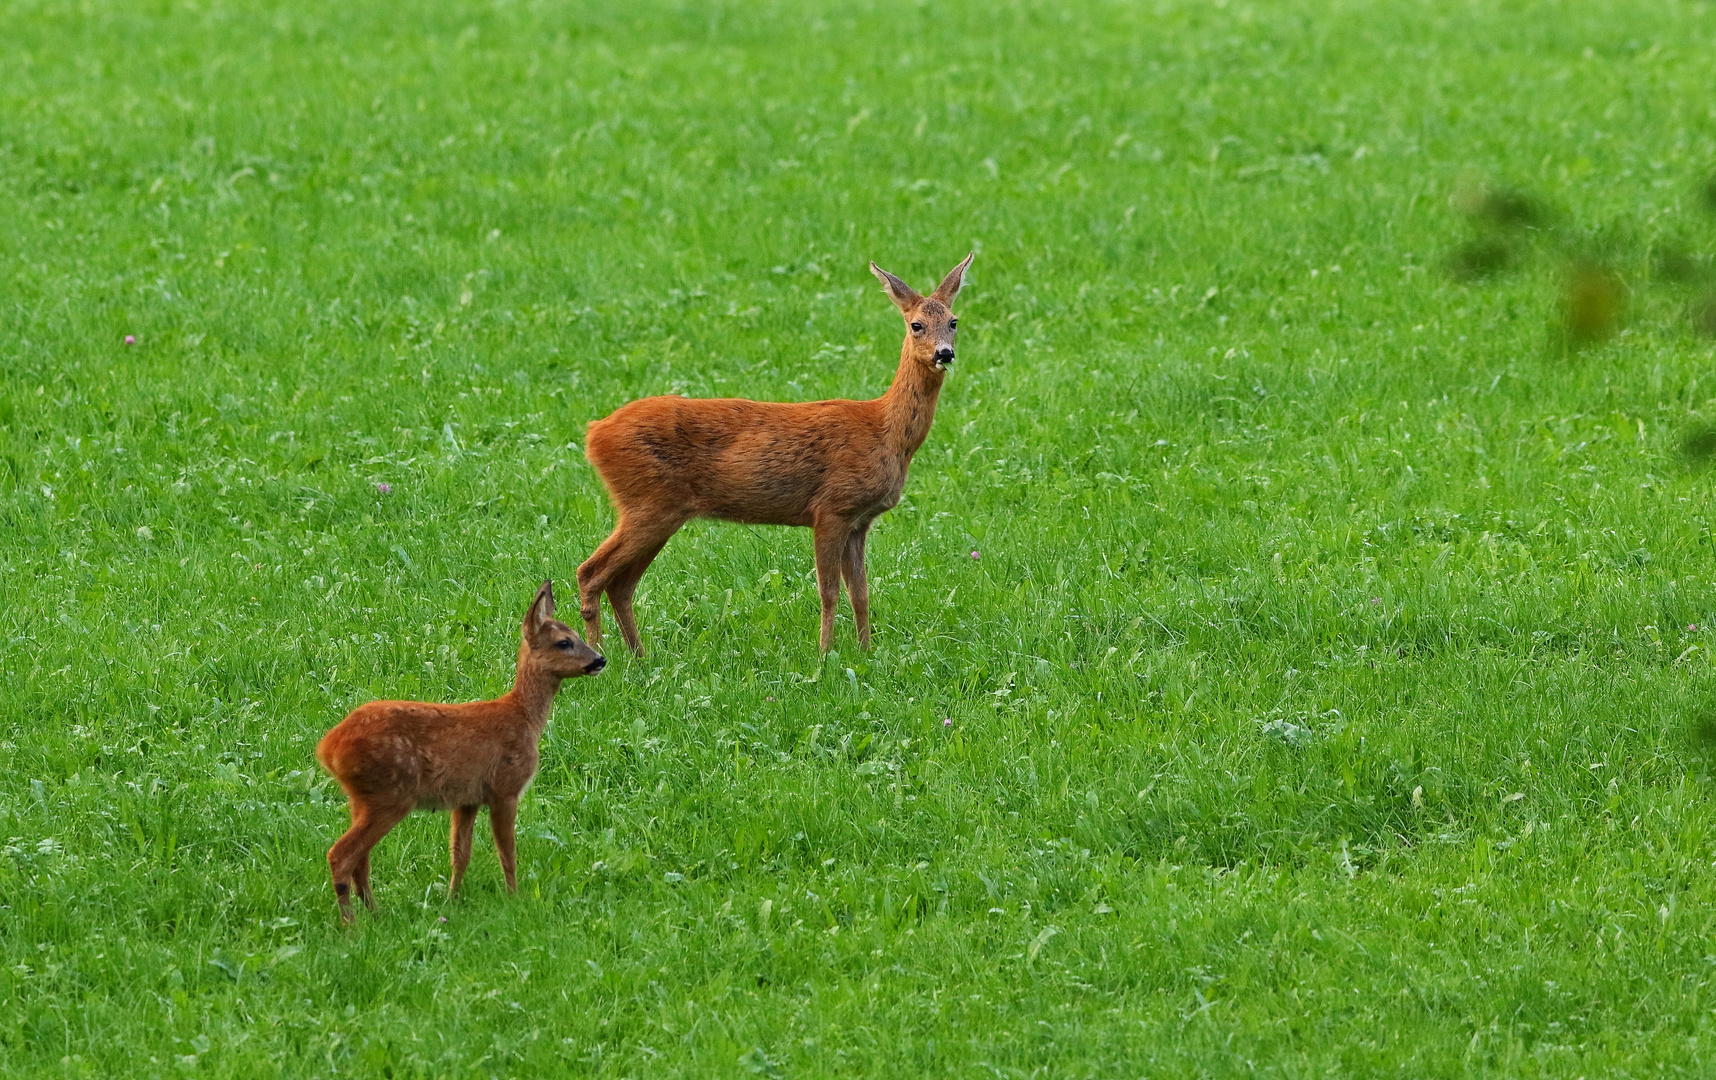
x,y
551,644
930,324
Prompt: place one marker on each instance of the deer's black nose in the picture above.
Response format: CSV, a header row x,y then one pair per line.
x,y
595,665
944,354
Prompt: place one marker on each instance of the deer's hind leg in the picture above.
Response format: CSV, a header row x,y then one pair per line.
x,y
593,581
857,586
615,569
623,585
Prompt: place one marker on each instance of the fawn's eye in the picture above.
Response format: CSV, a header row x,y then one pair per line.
x,y
565,644
953,324
917,328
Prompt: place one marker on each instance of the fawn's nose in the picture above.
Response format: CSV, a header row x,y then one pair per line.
x,y
945,354
595,665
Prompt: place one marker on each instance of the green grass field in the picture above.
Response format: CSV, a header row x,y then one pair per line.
x,y
1327,687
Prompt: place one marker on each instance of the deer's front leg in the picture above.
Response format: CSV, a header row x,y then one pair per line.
x,y
857,586
831,537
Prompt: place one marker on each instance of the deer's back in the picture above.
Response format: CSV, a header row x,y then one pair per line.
x,y
759,462
434,755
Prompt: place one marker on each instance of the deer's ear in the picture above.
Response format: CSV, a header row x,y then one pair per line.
x,y
541,608
898,291
951,284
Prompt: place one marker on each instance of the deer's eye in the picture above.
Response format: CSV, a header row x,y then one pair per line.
x,y
917,328
566,644
953,324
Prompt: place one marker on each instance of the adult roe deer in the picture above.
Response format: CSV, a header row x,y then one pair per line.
x,y
830,465
393,757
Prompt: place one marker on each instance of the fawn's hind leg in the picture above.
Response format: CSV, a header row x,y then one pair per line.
x,y
360,881
370,822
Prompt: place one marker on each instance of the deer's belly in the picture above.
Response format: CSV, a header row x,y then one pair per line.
x,y
745,514
766,501
864,505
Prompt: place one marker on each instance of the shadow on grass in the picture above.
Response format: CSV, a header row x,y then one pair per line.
x,y
1701,735
1482,258
1698,445
1704,315
1509,226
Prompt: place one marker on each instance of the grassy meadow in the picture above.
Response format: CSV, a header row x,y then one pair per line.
x,y
1293,652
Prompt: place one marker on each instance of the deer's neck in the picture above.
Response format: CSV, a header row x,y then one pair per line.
x,y
909,404
533,692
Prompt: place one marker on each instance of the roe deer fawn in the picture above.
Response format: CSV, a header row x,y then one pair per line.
x,y
830,465
393,757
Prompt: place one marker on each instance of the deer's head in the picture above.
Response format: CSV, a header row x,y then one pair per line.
x,y
930,324
551,645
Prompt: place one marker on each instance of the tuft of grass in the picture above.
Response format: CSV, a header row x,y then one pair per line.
x,y
1593,303
1320,696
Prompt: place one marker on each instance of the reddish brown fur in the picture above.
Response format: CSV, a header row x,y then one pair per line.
x,y
393,757
832,466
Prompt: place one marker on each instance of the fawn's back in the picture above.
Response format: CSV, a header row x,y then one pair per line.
x,y
438,756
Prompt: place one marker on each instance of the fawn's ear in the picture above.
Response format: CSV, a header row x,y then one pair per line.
x,y
541,608
951,284
898,291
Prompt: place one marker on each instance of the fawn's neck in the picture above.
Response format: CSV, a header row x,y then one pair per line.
x,y
533,692
909,404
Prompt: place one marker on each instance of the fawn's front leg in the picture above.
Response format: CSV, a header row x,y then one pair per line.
x,y
459,844
502,814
